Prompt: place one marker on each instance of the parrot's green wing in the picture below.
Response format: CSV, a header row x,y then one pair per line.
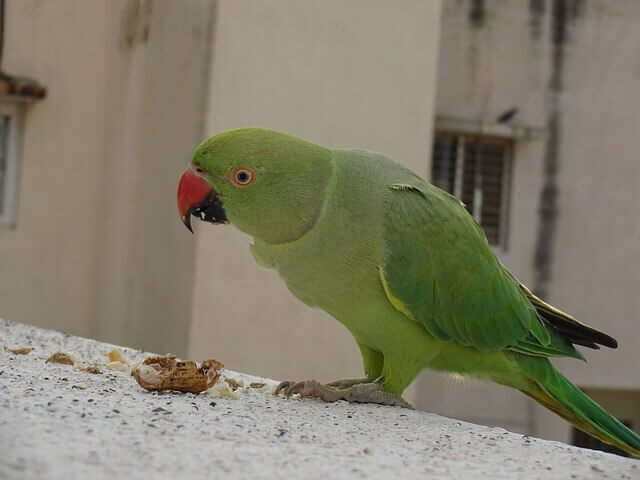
x,y
441,272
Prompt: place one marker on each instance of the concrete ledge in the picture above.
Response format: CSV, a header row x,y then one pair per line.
x,y
56,422
21,89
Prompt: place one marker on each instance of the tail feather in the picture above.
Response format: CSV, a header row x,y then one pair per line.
x,y
560,396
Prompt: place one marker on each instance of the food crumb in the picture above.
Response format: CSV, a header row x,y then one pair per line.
x,y
367,451
257,384
19,350
223,390
233,384
119,366
115,356
60,357
167,373
95,369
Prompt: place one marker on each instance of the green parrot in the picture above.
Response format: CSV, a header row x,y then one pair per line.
x,y
398,262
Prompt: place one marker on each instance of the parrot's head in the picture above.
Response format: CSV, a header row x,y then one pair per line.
x,y
269,184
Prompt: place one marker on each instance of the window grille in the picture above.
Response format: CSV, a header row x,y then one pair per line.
x,y
477,170
9,162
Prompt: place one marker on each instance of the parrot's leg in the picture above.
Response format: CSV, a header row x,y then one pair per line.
x,y
372,362
360,393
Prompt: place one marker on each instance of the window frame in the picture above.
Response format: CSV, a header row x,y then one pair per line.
x,y
509,143
9,191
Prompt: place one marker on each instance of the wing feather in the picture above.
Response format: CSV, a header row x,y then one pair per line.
x,y
442,273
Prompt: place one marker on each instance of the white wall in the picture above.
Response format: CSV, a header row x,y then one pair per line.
x,y
47,262
98,249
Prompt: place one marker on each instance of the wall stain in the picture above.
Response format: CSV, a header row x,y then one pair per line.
x,y
135,24
477,13
564,13
536,12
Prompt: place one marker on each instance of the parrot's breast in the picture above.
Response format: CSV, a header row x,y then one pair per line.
x,y
334,266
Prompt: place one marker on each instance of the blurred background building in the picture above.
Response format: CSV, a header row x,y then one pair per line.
x,y
528,111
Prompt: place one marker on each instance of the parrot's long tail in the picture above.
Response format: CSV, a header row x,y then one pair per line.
x,y
558,395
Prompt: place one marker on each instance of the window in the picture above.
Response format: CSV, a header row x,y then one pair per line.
x,y
15,91
477,170
9,125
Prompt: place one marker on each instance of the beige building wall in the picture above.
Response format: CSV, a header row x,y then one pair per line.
x,y
497,55
48,260
134,85
98,249
351,74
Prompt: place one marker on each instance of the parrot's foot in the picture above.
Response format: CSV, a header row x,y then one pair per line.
x,y
344,383
357,392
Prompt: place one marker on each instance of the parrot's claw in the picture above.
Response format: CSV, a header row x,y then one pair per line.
x,y
306,388
358,392
283,387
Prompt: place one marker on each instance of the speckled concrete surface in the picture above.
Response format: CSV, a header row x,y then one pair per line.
x,y
56,422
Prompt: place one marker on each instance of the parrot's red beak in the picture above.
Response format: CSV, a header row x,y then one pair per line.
x,y
197,197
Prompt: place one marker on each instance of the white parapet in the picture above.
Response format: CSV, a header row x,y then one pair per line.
x,y
57,421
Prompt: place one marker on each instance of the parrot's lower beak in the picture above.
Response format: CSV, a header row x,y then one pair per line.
x,y
197,197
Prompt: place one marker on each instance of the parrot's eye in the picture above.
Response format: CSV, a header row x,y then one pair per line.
x,y
243,176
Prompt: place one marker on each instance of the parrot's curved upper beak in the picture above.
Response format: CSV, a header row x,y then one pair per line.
x,y
197,197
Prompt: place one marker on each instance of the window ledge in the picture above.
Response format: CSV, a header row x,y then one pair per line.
x,y
481,127
20,89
